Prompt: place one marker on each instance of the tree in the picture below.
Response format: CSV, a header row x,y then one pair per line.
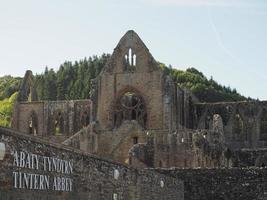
x,y
6,107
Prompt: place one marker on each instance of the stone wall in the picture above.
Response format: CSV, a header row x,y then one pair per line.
x,y
222,184
249,157
250,116
132,98
75,175
24,112
46,116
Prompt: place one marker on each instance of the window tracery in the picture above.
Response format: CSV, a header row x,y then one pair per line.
x,y
130,106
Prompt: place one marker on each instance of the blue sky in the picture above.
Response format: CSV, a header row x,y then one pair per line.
x,y
225,39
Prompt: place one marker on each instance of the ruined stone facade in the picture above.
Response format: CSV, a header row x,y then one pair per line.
x,y
137,115
52,120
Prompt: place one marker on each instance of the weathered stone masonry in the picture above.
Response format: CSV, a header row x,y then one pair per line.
x,y
92,178
222,184
137,115
132,101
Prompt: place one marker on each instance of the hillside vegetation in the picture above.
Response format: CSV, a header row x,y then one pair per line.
x,y
73,81
206,90
6,108
8,86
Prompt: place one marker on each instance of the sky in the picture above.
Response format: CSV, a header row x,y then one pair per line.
x,y
224,39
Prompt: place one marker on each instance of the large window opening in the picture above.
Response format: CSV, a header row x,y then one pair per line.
x,y
130,106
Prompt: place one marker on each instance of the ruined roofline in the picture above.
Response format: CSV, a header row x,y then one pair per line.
x,y
129,35
133,34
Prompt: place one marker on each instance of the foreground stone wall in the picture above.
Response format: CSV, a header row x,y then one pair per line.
x,y
249,157
222,184
35,169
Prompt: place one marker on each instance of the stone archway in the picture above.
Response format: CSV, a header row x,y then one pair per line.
x,y
129,106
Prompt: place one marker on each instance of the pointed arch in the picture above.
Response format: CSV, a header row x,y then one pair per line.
x,y
130,105
59,124
85,118
238,127
33,123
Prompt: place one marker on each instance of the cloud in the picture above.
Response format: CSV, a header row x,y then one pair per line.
x,y
198,2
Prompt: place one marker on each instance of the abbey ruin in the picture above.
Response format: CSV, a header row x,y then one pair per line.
x,y
139,117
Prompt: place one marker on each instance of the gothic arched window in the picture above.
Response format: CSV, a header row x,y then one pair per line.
x,y
33,123
208,122
238,127
130,106
59,124
85,119
263,125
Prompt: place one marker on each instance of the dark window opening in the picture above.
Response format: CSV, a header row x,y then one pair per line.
x,y
133,115
33,124
160,164
145,120
135,140
59,124
85,119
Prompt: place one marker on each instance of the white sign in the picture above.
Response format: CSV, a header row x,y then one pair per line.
x,y
36,181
